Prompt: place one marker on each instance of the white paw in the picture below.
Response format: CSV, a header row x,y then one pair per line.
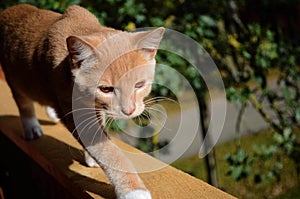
x,y
90,161
32,128
52,114
137,194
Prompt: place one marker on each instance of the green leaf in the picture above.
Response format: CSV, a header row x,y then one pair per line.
x,y
262,62
156,21
207,20
241,156
270,174
287,132
237,172
278,138
246,54
272,149
278,165
289,147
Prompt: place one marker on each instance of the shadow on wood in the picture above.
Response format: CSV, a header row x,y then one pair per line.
x,y
62,154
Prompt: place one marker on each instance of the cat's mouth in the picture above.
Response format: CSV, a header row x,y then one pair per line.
x,y
123,116
142,119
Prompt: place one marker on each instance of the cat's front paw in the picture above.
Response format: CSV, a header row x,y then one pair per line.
x,y
137,194
32,128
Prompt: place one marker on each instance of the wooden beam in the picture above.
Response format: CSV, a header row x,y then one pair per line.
x,y
61,156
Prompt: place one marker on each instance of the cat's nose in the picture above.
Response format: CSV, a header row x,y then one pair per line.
x,y
128,112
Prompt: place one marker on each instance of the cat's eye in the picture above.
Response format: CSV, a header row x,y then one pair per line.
x,y
106,89
139,84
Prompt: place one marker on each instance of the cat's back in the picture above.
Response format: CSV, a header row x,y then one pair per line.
x,y
16,14
18,11
27,18
25,29
21,28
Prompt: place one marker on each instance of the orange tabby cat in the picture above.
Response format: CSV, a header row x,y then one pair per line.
x,y
69,61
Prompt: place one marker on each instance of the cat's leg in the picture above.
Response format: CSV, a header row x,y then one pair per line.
x,y
107,155
119,170
31,126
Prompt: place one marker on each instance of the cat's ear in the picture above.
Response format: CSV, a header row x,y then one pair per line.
x,y
79,50
148,42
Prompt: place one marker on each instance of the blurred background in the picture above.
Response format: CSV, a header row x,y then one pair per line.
x,y
255,45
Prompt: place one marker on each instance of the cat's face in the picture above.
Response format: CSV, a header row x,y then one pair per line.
x,y
120,85
124,85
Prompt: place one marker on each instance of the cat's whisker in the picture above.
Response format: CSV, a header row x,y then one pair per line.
x,y
158,99
110,112
140,121
152,109
96,133
157,114
77,110
93,123
158,120
92,113
109,123
95,120
89,126
81,123
155,120
147,115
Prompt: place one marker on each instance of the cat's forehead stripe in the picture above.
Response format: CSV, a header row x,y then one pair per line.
x,y
123,65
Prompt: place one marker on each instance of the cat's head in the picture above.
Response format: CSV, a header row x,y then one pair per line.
x,y
117,71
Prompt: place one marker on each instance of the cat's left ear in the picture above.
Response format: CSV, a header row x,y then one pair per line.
x,y
79,50
148,42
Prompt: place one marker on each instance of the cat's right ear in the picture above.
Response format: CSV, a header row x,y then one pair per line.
x,y
148,41
79,50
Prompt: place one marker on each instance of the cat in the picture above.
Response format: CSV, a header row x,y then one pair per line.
x,y
86,72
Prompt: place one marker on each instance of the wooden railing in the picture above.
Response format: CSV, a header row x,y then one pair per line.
x,y
55,163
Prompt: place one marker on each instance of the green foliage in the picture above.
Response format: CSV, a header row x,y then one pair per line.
x,y
240,164
55,5
264,73
283,144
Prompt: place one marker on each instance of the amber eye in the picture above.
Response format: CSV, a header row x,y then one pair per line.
x,y
139,84
106,89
